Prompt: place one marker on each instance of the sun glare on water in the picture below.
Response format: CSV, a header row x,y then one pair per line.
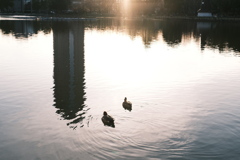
x,y
127,61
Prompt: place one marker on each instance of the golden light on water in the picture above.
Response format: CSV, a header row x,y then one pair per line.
x,y
134,63
120,59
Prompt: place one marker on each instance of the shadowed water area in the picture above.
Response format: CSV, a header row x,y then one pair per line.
x,y
57,78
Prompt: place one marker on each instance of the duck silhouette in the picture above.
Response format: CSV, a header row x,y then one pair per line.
x,y
127,104
107,119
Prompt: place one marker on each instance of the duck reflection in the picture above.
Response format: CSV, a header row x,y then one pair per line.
x,y
108,120
69,69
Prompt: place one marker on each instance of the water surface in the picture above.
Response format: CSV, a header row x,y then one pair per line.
x,y
58,77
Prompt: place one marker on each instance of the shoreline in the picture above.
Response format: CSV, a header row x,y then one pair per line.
x,y
75,17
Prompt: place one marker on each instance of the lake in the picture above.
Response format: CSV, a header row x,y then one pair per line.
x,y
57,78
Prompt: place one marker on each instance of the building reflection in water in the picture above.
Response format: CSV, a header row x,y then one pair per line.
x,y
24,29
69,69
205,29
20,29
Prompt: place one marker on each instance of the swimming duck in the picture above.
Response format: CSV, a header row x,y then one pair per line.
x,y
107,119
126,104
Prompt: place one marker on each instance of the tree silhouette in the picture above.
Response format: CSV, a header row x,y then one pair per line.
x,y
5,5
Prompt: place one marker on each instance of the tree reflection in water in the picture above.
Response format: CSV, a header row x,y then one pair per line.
x,y
217,35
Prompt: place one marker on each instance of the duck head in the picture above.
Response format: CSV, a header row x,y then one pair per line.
x,y
105,113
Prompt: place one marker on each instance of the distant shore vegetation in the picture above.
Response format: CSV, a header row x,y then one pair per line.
x,y
221,8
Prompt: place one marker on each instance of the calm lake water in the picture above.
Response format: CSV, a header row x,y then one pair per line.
x,y
57,78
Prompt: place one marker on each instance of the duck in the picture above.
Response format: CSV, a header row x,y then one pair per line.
x,y
127,104
107,119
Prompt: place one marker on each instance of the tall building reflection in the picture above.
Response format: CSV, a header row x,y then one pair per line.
x,y
69,70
